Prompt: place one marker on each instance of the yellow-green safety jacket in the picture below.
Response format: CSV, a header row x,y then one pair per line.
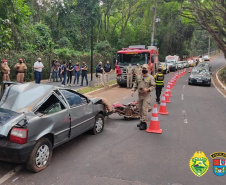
x,y
159,79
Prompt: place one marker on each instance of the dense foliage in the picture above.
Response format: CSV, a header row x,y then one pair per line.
x,y
61,28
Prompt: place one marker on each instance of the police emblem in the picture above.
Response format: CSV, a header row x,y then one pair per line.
x,y
219,165
199,163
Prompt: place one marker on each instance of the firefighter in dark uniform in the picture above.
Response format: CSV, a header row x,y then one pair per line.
x,y
159,84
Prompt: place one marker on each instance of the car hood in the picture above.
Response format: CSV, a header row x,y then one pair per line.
x,y
24,97
8,119
200,76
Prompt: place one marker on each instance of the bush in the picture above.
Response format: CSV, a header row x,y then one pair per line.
x,y
104,48
222,75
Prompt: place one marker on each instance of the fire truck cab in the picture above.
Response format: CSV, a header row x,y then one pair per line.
x,y
135,55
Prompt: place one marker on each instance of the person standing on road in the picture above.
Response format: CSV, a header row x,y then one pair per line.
x,y
84,69
77,69
5,70
64,73
159,84
137,70
144,84
99,74
56,70
107,71
70,69
129,73
38,66
20,68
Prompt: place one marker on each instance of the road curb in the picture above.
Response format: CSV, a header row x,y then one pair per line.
x,y
101,90
221,84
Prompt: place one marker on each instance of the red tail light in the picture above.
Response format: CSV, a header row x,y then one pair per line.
x,y
19,135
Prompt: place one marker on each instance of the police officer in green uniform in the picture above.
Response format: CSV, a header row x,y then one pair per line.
x,y
159,83
144,83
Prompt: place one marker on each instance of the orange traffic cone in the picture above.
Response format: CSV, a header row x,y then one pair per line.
x,y
162,109
154,123
167,98
168,91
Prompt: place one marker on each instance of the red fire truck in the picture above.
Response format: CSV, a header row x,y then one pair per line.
x,y
135,55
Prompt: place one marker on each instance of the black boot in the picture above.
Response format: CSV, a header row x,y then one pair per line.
x,y
138,125
143,126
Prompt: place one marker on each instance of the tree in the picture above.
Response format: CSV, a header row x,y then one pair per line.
x,y
210,15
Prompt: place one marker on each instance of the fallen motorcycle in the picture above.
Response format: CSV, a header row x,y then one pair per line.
x,y
128,111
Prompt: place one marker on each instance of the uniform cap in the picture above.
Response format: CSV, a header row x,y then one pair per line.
x,y
145,66
4,60
21,59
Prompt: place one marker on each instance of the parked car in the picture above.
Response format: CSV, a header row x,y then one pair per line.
x,y
164,67
185,63
191,63
36,118
172,65
200,76
206,58
180,65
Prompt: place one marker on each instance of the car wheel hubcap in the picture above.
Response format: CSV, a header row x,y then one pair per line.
x,y
42,156
99,124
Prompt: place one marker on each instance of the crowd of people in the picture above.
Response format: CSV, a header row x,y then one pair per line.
x,y
60,72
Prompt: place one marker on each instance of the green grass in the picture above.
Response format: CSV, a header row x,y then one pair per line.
x,y
222,75
90,89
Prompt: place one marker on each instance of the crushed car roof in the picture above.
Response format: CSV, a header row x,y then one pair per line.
x,y
23,97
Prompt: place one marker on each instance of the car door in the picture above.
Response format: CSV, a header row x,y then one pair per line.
x,y
54,112
81,111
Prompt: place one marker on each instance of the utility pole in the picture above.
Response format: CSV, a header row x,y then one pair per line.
x,y
209,47
153,24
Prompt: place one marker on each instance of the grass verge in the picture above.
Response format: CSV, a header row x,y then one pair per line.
x,y
89,89
222,75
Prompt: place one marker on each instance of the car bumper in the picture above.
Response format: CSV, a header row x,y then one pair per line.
x,y
201,82
172,68
122,81
13,152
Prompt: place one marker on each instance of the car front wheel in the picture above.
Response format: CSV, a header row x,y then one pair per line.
x,y
40,156
98,125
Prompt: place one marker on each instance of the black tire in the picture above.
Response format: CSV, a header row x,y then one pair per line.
x,y
98,126
42,144
189,83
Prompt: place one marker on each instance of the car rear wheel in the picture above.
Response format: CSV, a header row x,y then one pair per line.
x,y
40,156
98,125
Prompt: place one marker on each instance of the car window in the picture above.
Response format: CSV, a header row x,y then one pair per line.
x,y
50,106
73,98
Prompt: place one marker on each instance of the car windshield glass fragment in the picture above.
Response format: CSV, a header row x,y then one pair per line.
x,y
126,59
51,105
6,115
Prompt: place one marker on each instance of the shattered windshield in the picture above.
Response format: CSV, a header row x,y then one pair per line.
x,y
6,115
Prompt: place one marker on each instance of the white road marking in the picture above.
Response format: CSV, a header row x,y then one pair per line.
x,y
184,116
182,96
10,174
183,86
217,88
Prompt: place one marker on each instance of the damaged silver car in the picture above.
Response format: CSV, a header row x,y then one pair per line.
x,y
36,118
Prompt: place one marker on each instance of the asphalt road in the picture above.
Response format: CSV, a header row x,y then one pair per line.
x,y
122,154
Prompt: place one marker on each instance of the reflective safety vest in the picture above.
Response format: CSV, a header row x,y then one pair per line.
x,y
159,79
